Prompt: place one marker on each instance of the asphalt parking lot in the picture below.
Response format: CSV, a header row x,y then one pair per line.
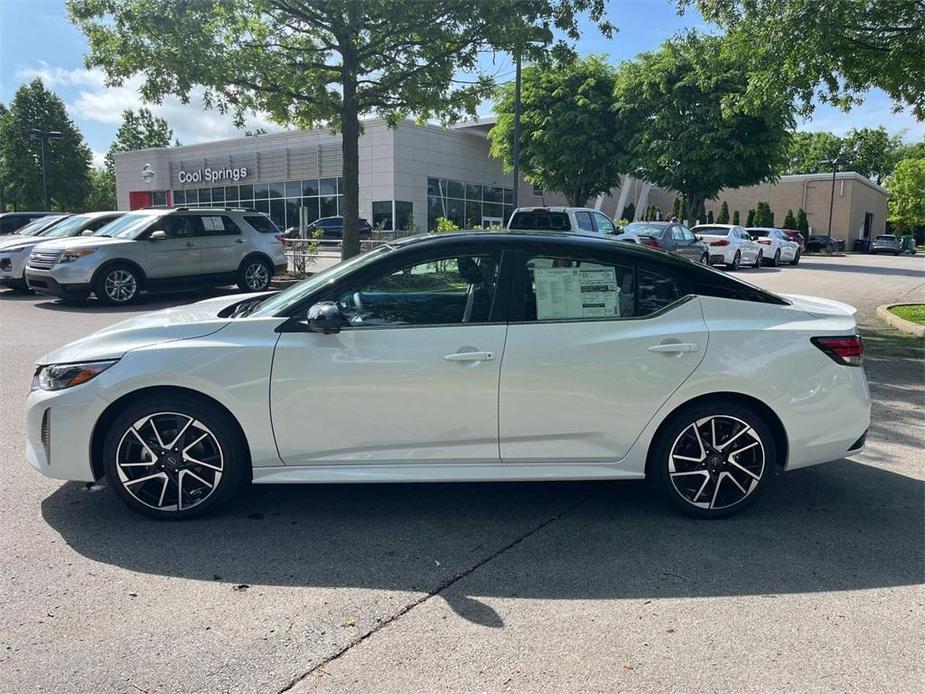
x,y
479,587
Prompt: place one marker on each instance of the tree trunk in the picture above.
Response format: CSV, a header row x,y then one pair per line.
x,y
350,131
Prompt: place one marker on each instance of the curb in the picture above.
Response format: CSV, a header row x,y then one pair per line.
x,y
283,284
901,324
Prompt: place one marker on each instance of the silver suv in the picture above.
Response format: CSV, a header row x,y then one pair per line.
x,y
147,250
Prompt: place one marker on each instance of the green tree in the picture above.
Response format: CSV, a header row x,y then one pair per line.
x,y
570,137
67,159
915,150
723,216
750,220
872,151
314,63
807,149
141,130
688,135
907,195
710,217
790,221
763,216
4,114
735,217
838,49
102,195
802,222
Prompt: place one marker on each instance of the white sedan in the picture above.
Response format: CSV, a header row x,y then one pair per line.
x,y
778,248
461,357
730,245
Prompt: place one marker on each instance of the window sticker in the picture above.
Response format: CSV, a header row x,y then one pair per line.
x,y
563,293
213,223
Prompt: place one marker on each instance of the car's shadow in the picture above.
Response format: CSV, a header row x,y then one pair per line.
x,y
913,270
842,526
145,303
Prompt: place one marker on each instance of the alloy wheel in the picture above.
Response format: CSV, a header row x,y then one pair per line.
x,y
120,286
256,276
716,462
169,461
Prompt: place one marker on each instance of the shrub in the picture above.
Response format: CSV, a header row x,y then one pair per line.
x,y
723,216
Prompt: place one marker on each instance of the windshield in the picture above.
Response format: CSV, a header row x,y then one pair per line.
x,y
128,227
713,231
276,303
68,227
655,229
36,226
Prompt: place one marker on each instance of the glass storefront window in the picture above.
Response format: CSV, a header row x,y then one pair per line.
x,y
433,186
456,210
328,186
328,206
278,213
261,191
231,193
382,215
262,206
205,196
179,197
473,191
158,198
312,205
404,215
294,189
467,204
292,212
247,193
192,197
218,195
309,186
493,194
276,189
455,189
473,213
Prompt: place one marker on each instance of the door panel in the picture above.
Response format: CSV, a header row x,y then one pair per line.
x,y
584,390
388,395
177,255
221,245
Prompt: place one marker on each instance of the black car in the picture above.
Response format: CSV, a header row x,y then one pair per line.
x,y
333,228
12,221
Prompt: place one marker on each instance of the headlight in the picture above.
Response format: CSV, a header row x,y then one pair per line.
x,y
71,256
61,376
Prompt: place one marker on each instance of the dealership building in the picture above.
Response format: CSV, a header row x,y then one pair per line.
x,y
412,174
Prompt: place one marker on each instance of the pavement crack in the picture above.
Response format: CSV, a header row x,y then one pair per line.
x,y
319,668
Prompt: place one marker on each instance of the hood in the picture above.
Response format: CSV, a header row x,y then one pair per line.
x,y
819,307
179,323
14,240
83,242
22,242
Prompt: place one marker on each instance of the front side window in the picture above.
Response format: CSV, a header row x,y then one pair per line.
x,y
677,234
604,225
584,221
446,291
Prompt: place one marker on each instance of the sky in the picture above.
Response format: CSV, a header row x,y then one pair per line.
x,y
36,39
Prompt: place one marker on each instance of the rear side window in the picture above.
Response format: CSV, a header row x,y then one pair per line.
x,y
262,224
560,288
541,220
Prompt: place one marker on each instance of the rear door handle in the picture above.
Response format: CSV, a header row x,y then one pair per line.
x,y
470,356
675,347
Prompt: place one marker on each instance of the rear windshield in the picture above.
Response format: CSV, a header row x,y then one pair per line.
x,y
714,231
262,224
758,232
886,237
644,229
541,220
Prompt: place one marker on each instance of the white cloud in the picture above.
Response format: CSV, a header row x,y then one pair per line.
x,y
99,159
57,77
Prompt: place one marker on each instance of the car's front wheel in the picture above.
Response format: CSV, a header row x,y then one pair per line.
x,y
255,275
714,459
705,259
796,258
117,285
174,457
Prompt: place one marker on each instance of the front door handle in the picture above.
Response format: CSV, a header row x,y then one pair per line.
x,y
470,356
675,347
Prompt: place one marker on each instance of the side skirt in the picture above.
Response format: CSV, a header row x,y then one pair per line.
x,y
446,472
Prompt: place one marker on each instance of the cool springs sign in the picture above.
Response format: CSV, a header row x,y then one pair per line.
x,y
210,175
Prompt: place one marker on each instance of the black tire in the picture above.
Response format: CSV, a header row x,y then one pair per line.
x,y
796,259
758,260
705,259
736,262
169,487
710,488
254,275
775,261
117,285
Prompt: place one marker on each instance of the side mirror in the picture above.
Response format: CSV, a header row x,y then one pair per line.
x,y
87,232
157,235
324,317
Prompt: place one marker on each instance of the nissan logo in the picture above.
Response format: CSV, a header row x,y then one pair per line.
x,y
147,173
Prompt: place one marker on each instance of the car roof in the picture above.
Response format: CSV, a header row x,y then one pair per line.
x,y
762,229
13,213
662,223
101,213
724,226
554,208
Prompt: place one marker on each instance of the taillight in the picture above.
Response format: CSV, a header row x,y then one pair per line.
x,y
764,242
651,243
848,351
281,238
721,242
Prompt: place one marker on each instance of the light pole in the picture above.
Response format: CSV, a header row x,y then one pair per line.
x,y
44,136
834,164
537,36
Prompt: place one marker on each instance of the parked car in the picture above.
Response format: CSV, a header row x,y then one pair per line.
x,y
11,221
14,254
333,228
439,358
671,237
821,243
153,249
579,220
36,226
778,247
795,235
886,243
730,245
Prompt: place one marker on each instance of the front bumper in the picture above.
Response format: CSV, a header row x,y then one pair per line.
x,y
67,417
12,269
42,282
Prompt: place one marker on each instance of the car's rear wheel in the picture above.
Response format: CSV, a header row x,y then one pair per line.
x,y
714,459
736,262
758,259
174,457
796,258
117,285
255,275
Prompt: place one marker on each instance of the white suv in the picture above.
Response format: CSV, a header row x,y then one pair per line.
x,y
149,249
580,220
